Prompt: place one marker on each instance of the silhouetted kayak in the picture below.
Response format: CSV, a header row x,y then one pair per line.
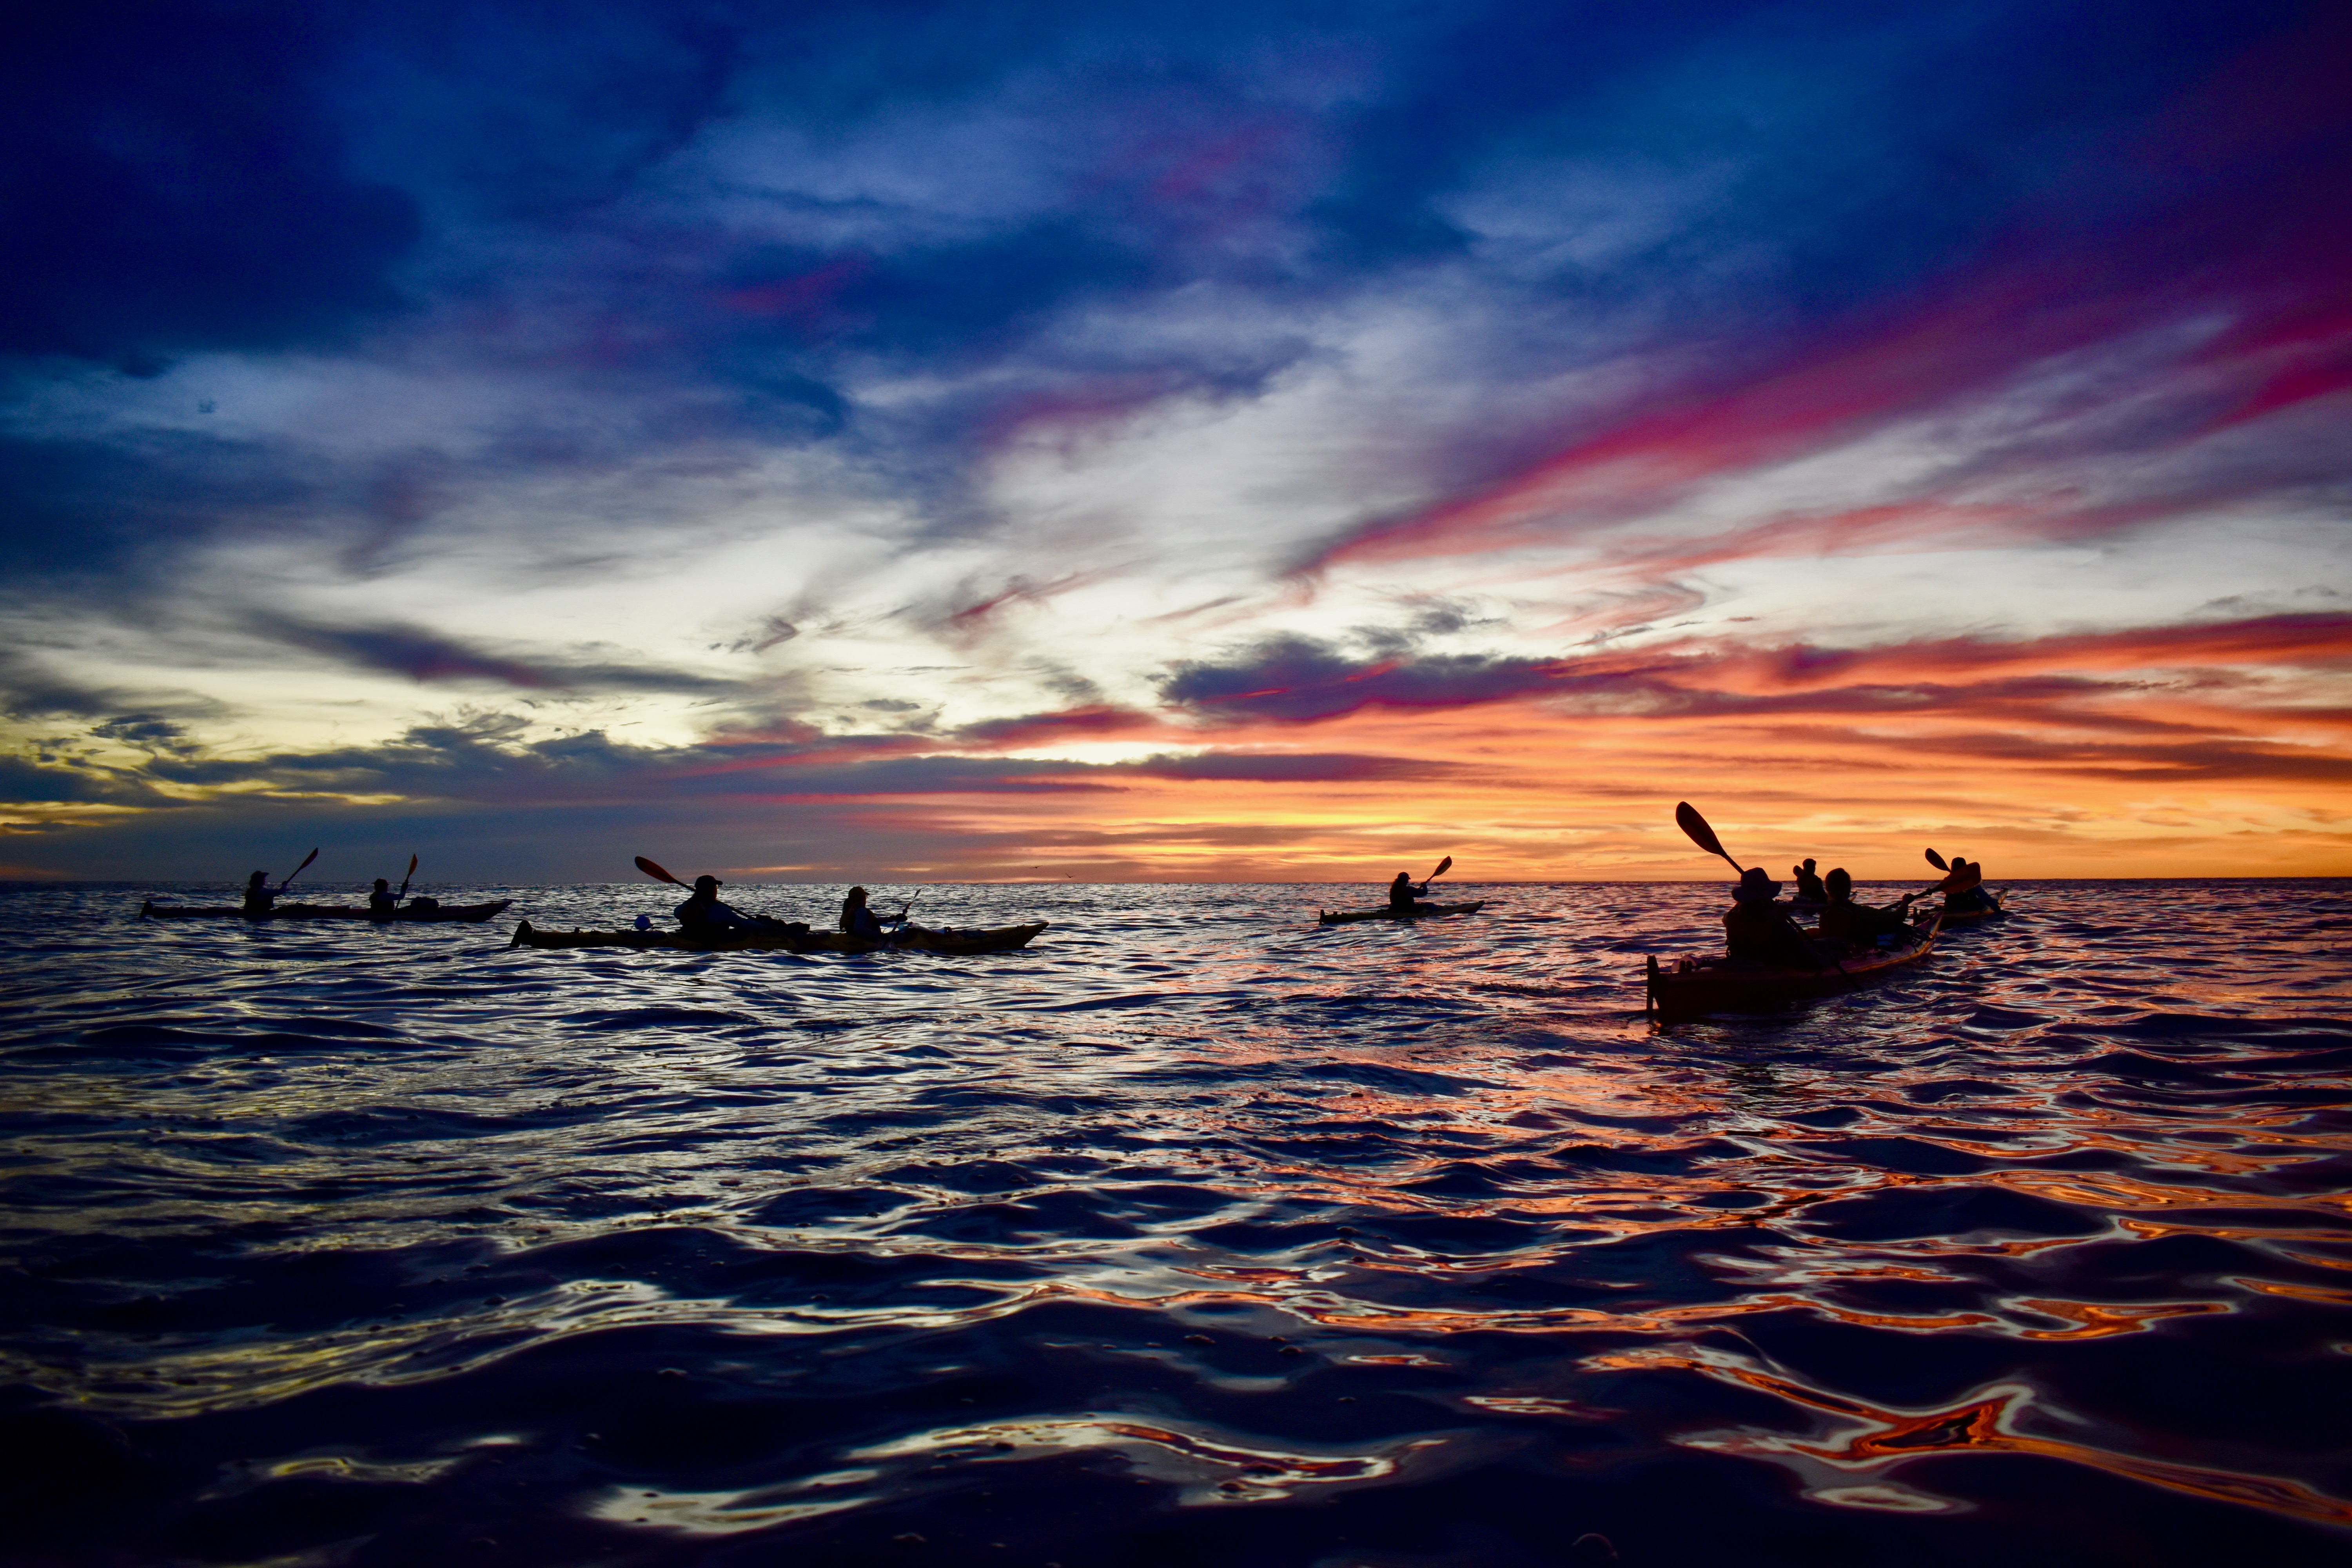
x,y
446,912
1969,917
783,939
1425,913
1688,986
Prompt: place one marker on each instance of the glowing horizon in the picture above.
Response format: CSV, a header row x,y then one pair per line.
x,y
1217,448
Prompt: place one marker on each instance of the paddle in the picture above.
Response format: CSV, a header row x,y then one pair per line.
x,y
1443,867
404,881
1937,861
288,882
654,870
1688,819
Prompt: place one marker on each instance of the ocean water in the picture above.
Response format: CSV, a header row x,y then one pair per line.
x,y
1192,1235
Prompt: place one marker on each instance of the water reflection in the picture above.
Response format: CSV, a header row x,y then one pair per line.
x,y
1190,1212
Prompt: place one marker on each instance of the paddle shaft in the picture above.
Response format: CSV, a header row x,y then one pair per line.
x,y
404,881
288,882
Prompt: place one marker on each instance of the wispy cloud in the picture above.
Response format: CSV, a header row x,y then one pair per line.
x,y
1134,438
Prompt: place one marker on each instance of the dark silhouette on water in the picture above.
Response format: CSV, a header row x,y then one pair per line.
x,y
1756,928
1809,883
704,909
1859,925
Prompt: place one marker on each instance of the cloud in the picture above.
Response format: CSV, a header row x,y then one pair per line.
x,y
1296,679
428,656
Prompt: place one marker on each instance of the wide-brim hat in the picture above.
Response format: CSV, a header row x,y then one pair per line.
x,y
1755,888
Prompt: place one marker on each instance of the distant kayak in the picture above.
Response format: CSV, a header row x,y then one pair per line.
x,y
446,912
1686,987
1421,912
784,939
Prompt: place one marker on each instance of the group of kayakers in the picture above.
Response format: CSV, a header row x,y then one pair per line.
x,y
1759,929
705,910
261,897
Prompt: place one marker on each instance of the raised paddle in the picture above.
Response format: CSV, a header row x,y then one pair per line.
x,y
654,870
1937,861
313,855
1688,819
404,881
1443,867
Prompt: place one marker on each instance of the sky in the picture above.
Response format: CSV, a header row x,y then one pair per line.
x,y
979,442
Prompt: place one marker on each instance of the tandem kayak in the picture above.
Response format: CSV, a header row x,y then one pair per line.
x,y
1969,917
784,939
473,912
1689,987
1419,912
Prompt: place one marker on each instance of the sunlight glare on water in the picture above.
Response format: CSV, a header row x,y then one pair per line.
x,y
1192,1234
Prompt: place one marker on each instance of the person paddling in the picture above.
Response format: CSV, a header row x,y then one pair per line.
x,y
1843,919
1972,898
704,910
1757,928
1403,896
383,901
859,920
1809,884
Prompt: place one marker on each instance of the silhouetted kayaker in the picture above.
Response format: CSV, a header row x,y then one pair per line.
x,y
858,920
1808,885
1755,929
258,894
383,901
1402,894
1970,899
704,910
1861,924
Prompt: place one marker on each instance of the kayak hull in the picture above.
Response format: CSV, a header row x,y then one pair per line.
x,y
445,914
1689,987
1425,912
1971,917
783,939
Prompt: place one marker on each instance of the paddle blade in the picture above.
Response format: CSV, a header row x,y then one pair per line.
x,y
313,855
656,872
1937,861
1688,819
1443,867
412,865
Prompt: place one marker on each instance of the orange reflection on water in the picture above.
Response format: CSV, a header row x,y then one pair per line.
x,y
1986,1424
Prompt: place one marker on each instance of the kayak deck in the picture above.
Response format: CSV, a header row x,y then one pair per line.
x,y
1691,987
1419,912
150,911
784,939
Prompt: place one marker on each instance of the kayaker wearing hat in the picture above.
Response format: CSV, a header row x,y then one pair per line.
x,y
860,920
1757,930
1402,893
1861,924
704,911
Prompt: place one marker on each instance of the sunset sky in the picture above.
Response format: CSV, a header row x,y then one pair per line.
x,y
1197,442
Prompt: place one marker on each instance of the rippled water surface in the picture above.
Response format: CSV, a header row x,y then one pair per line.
x,y
1194,1234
